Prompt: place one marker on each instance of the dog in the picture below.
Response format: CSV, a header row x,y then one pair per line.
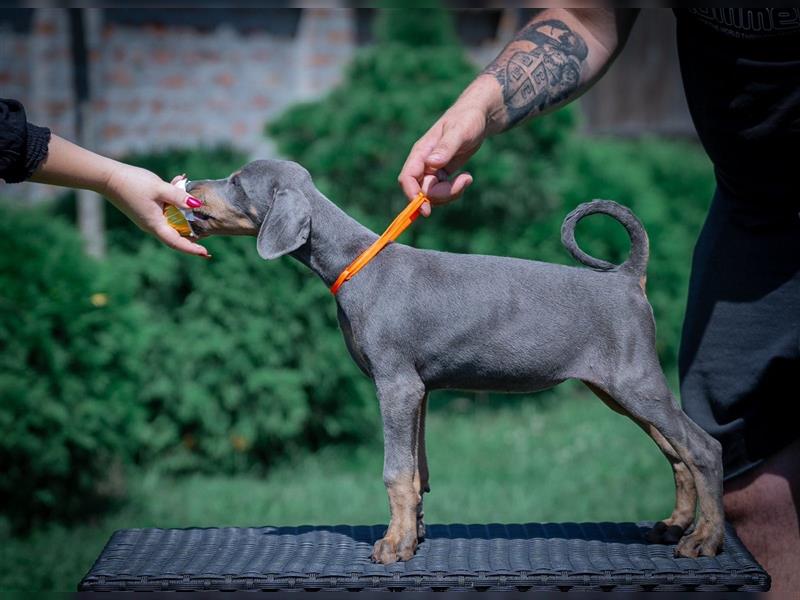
x,y
419,320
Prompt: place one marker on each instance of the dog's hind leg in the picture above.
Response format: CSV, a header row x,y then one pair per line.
x,y
422,475
670,530
401,398
649,401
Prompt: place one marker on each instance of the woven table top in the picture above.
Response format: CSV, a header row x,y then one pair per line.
x,y
532,556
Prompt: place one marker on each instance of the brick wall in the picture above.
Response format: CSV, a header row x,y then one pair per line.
x,y
164,86
160,87
180,85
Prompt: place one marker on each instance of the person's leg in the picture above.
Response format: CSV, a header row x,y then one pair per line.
x,y
764,507
740,353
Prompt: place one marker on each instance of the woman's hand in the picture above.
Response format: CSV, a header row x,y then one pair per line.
x,y
141,195
138,193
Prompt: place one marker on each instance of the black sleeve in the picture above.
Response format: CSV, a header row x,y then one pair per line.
x,y
23,146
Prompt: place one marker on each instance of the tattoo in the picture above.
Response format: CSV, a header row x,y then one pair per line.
x,y
537,78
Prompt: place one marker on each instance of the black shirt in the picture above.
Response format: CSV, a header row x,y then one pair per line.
x,y
741,73
23,146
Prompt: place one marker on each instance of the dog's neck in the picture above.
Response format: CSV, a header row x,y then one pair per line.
x,y
335,239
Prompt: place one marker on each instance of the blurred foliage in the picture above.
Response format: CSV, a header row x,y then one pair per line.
x,y
248,363
227,364
69,369
150,355
417,24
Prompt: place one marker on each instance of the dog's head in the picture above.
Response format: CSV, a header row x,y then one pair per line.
x,y
266,198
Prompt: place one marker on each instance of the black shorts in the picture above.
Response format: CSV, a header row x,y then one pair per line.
x,y
740,350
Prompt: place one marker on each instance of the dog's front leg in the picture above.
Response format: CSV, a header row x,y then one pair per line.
x,y
401,400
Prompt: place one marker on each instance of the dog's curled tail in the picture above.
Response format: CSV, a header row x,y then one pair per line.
x,y
640,248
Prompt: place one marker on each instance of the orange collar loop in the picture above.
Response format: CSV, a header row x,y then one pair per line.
x,y
398,226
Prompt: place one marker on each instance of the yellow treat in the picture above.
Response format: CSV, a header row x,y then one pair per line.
x,y
178,218
177,221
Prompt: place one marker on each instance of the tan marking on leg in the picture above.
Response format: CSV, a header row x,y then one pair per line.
x,y
402,480
685,492
707,537
400,540
422,474
671,529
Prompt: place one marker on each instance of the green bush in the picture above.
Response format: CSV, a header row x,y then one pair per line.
x,y
220,365
70,412
248,363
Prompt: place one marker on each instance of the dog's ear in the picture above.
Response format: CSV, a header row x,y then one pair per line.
x,y
286,225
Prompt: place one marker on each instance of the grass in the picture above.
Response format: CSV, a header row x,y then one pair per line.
x,y
550,460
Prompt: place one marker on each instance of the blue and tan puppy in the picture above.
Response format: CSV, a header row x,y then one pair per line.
x,y
417,320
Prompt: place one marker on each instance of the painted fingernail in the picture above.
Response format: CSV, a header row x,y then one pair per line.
x,y
193,202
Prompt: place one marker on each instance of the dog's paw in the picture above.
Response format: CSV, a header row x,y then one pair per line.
x,y
663,533
387,550
384,551
703,541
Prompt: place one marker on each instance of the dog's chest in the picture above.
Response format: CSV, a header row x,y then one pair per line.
x,y
353,346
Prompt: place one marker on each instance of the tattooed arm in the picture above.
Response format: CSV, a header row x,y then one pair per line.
x,y
551,61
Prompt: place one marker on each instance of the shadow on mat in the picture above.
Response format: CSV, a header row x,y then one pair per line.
x,y
618,533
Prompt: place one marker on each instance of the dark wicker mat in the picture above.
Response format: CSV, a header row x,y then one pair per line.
x,y
567,556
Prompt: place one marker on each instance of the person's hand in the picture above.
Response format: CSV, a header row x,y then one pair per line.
x,y
141,195
442,151
138,193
